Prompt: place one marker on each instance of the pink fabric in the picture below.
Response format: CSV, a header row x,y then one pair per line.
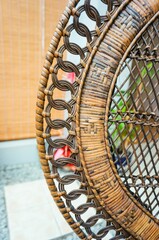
x,y
64,152
70,77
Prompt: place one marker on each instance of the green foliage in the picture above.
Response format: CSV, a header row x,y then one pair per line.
x,y
148,69
122,131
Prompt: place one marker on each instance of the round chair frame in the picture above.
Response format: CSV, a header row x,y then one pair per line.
x,y
118,37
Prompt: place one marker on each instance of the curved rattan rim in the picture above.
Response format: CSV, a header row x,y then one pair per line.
x,y
108,107
40,116
137,230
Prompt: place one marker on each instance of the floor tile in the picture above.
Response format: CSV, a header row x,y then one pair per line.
x,y
32,213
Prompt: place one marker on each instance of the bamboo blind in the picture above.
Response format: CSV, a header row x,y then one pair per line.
x,y
26,28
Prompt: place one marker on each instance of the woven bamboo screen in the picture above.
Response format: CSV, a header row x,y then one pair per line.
x,y
26,27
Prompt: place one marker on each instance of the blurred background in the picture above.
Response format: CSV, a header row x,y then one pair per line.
x,y
26,28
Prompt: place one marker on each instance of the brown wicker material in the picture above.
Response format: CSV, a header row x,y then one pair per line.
x,y
112,119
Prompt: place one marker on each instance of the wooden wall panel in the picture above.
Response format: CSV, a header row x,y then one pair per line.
x,y
26,28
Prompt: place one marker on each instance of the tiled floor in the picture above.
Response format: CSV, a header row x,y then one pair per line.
x,y
32,214
29,212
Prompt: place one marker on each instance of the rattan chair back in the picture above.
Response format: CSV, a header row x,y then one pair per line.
x,y
111,120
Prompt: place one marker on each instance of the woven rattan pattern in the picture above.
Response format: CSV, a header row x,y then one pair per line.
x,y
54,63
58,183
139,114
90,125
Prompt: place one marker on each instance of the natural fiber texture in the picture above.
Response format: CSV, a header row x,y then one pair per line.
x,y
26,26
108,119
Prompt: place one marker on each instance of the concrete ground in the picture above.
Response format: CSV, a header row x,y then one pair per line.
x,y
27,211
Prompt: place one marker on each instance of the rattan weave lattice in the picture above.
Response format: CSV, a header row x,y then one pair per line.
x,y
111,120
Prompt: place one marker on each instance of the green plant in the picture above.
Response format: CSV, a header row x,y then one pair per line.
x,y
145,70
121,129
122,132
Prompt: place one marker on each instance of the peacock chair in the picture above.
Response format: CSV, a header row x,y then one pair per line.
x,y
110,124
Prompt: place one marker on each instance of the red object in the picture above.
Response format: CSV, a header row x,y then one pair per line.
x,y
70,77
62,153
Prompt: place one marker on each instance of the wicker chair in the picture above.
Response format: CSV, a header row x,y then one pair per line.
x,y
111,121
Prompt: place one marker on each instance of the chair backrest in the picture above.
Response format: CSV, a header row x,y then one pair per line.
x,y
110,50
